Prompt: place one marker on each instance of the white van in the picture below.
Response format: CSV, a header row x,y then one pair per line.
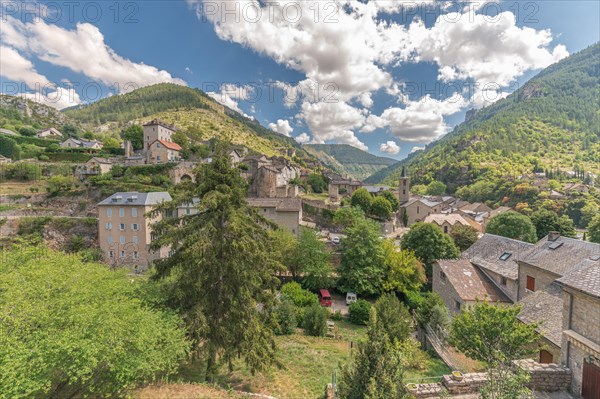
x,y
350,298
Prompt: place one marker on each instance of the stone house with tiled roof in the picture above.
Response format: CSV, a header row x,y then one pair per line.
x,y
556,282
286,212
448,221
545,307
581,326
460,284
497,257
550,259
158,143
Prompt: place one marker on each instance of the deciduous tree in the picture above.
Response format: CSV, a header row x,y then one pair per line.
x,y
70,329
512,225
429,243
314,261
403,272
464,236
362,199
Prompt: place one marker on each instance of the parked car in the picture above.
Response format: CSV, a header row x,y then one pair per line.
x,y
324,298
335,240
350,298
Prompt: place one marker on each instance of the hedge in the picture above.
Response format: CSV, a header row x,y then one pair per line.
x,y
69,157
34,140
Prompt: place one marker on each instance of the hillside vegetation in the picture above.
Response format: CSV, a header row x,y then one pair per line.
x,y
348,160
191,110
552,122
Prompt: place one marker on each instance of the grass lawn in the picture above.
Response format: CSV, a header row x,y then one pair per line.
x,y
304,366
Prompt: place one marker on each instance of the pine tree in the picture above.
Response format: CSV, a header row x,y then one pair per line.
x,y
220,276
376,370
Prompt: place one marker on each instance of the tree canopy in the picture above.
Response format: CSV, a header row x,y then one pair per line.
x,y
429,243
74,329
220,275
512,225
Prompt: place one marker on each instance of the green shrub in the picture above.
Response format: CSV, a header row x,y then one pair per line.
x,y
298,295
75,244
358,313
337,316
315,320
414,299
285,313
33,225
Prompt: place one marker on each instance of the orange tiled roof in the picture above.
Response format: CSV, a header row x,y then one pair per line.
x,y
170,145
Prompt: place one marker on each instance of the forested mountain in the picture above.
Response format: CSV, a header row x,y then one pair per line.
x,y
348,160
551,123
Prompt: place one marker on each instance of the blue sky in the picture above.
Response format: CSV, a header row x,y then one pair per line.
x,y
391,75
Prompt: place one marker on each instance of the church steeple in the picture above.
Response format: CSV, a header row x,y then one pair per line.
x,y
404,187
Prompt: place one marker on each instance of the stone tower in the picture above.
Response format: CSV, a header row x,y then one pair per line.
x,y
404,187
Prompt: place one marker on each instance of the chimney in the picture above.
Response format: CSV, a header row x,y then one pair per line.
x,y
553,236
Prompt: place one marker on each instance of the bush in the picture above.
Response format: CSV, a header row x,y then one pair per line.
x,y
337,316
358,313
298,295
315,320
59,183
285,314
414,299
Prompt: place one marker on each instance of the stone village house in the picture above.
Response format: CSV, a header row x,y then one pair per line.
x,y
556,282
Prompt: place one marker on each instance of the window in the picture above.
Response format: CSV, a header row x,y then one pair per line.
x,y
121,212
134,212
158,157
457,305
108,226
134,239
109,212
531,283
505,256
442,275
188,211
418,209
122,240
111,254
122,254
503,280
157,145
446,229
109,239
135,226
122,226
136,255
403,192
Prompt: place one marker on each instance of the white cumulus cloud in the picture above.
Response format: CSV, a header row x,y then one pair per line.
x,y
82,50
303,138
389,148
281,127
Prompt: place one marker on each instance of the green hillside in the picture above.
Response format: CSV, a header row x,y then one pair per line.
x,y
348,160
552,123
197,115
17,112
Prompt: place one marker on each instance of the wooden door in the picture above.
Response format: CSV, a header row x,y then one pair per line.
x,y
590,387
546,357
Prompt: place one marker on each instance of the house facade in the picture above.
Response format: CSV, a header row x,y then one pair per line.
x,y
93,167
158,143
286,212
124,230
581,327
50,133
460,284
80,143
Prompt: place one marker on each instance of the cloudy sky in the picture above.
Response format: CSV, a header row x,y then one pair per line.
x,y
384,76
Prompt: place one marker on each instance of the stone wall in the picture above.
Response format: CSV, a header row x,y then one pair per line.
x,y
542,278
471,383
546,377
